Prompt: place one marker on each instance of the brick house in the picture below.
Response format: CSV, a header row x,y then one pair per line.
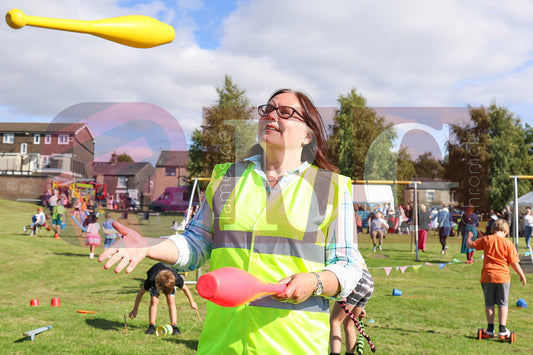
x,y
432,192
125,177
170,170
31,154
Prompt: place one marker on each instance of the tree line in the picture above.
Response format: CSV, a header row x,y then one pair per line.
x,y
482,152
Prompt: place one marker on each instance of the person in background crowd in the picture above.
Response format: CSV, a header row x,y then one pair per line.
x,y
469,223
423,227
528,226
444,222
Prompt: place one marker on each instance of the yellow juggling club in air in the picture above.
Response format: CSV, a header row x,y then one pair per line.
x,y
135,30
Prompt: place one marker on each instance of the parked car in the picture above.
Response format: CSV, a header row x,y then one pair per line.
x,y
173,199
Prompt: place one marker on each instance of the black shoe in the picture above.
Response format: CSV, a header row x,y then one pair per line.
x,y
150,330
176,330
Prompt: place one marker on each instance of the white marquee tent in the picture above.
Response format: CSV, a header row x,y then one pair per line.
x,y
373,194
524,201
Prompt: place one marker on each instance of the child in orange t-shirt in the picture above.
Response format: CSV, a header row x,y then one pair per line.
x,y
499,252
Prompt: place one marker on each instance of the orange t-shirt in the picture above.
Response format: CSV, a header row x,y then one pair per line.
x,y
499,253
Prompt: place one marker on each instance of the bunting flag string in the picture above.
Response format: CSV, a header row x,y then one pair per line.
x,y
403,268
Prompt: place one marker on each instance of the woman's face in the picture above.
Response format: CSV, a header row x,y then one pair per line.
x,y
291,133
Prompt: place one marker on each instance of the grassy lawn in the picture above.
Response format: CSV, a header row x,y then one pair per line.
x,y
439,312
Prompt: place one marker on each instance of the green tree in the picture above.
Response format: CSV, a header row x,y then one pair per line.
x,y
196,154
510,154
364,147
426,165
342,140
484,153
125,158
226,132
468,159
355,128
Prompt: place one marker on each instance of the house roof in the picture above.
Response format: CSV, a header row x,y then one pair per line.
x,y
434,184
172,158
42,128
120,168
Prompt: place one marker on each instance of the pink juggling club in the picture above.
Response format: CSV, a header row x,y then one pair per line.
x,y
232,287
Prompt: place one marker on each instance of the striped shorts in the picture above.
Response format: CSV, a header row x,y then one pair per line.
x,y
362,292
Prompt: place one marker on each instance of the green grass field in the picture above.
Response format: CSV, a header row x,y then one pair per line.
x,y
439,312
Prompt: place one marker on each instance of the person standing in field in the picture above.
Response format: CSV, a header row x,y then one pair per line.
x,y
528,226
444,222
469,223
423,226
92,238
58,217
499,252
110,233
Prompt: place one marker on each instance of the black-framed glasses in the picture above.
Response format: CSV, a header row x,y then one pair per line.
x,y
284,112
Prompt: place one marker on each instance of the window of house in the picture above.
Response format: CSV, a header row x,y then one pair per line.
x,y
62,139
36,139
170,171
24,148
45,160
48,139
122,180
430,196
9,138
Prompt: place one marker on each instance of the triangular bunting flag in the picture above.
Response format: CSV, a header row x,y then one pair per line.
x,y
442,266
428,264
388,270
403,268
456,261
415,268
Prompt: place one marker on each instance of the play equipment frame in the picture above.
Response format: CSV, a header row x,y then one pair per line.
x,y
188,216
515,208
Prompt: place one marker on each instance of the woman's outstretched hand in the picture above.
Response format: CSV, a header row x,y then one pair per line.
x,y
128,250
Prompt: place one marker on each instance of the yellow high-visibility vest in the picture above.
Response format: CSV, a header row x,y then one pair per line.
x,y
271,237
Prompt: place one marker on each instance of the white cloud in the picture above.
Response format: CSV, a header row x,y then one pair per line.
x,y
402,53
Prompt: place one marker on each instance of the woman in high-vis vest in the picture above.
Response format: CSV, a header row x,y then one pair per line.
x,y
284,215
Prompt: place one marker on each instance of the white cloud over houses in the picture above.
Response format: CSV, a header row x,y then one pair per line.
x,y
402,53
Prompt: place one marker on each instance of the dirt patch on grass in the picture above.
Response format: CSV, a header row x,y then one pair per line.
x,y
382,256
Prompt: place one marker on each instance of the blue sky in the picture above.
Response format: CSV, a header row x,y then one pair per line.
x,y
406,53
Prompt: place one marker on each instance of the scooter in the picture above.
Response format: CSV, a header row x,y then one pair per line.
x,y
482,334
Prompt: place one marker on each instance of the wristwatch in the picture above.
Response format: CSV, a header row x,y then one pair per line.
x,y
319,286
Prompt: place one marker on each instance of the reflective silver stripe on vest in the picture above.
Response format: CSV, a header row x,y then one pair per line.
x,y
270,245
291,247
312,304
232,239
